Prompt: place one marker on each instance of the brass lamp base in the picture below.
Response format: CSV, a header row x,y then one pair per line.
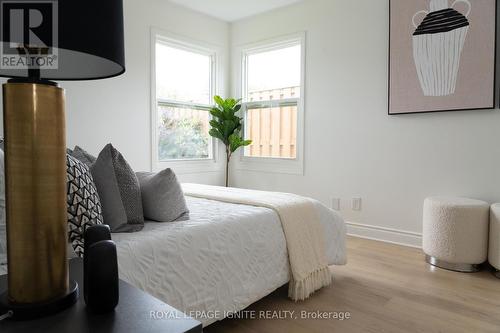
x,y
35,170
39,310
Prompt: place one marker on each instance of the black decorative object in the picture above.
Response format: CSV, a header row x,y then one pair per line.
x,y
100,282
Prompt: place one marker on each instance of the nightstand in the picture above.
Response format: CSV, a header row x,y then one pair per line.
x,y
136,312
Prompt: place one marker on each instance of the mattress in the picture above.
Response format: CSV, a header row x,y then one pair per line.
x,y
220,260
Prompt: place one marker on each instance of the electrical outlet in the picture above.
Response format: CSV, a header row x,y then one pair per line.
x,y
356,204
336,204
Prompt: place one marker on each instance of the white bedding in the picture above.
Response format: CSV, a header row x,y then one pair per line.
x,y
224,258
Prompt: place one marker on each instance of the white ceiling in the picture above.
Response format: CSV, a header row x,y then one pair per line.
x,y
233,10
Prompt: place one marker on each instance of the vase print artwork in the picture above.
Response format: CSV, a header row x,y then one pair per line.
x,y
438,42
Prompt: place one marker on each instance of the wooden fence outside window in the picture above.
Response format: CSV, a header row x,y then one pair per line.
x,y
272,127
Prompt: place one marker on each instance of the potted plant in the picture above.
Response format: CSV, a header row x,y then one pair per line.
x,y
226,126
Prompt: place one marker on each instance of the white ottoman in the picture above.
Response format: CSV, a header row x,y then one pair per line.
x,y
494,251
455,233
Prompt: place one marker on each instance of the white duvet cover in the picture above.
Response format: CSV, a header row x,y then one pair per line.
x,y
221,260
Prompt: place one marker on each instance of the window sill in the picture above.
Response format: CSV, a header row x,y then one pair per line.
x,y
190,166
271,165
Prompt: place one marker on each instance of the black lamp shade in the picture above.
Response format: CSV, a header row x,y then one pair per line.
x,y
84,37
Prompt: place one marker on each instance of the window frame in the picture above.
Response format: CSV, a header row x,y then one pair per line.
x,y
273,164
183,166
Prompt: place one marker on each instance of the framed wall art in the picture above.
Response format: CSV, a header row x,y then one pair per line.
x,y
441,55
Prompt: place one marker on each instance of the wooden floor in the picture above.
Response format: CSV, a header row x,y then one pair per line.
x,y
386,288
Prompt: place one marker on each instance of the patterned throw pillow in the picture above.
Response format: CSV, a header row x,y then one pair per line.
x,y
84,206
82,155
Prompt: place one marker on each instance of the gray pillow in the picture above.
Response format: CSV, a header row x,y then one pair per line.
x,y
118,190
162,196
82,155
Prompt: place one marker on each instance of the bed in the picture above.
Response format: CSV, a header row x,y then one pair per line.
x,y
222,259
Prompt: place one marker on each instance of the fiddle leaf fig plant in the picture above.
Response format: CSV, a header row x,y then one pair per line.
x,y
226,126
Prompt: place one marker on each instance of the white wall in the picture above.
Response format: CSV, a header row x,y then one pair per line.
x,y
353,148
118,110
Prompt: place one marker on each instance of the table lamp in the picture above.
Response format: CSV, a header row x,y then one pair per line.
x,y
42,42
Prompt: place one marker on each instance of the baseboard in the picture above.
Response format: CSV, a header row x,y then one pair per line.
x,y
388,235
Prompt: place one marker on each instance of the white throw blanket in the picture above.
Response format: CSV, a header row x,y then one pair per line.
x,y
301,226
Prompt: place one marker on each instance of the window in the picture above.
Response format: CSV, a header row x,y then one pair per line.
x,y
272,95
184,81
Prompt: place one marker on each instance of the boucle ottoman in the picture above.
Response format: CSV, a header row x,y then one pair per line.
x,y
455,233
494,251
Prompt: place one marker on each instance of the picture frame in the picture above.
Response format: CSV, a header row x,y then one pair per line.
x,y
442,56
